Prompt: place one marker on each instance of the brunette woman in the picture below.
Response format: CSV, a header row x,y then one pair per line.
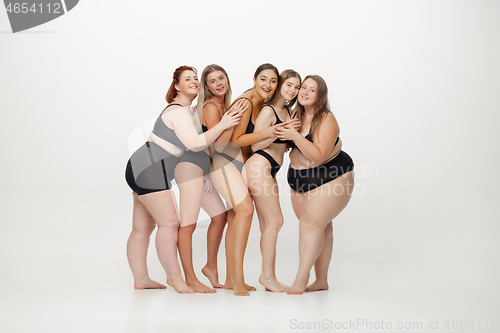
x,y
321,178
261,171
228,180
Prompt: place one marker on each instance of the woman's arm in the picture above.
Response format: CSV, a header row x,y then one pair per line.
x,y
182,123
265,119
242,139
319,150
212,117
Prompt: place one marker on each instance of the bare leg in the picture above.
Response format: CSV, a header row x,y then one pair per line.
x,y
143,225
161,206
240,231
229,182
323,262
320,206
189,177
265,192
229,251
212,204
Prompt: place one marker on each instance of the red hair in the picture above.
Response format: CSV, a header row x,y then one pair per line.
x,y
172,92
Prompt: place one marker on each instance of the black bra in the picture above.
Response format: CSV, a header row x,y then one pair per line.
x,y
279,121
250,126
309,137
162,131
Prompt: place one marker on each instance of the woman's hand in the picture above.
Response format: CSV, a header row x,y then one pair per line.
x,y
293,123
230,119
207,184
286,131
240,106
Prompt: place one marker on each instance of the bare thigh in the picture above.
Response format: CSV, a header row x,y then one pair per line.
x,y
263,187
228,182
212,203
297,202
142,220
324,203
162,207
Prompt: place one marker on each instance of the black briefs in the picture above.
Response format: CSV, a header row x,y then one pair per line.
x,y
201,159
275,167
150,169
304,180
239,165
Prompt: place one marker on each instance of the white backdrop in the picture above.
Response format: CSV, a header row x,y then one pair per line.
x,y
414,86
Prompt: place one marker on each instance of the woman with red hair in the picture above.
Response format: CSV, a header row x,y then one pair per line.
x,y
150,171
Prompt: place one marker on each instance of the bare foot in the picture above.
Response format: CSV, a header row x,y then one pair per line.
x,y
212,275
240,290
317,285
148,284
273,285
199,287
298,286
229,286
250,288
180,286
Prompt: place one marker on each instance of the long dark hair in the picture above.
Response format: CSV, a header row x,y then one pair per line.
x,y
321,107
261,68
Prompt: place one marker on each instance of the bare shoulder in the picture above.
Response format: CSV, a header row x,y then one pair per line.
x,y
266,110
210,108
329,118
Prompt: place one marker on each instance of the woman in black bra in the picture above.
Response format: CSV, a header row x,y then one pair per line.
x,y
321,180
228,180
261,169
149,173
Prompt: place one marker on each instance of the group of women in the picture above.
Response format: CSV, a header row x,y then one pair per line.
x,y
234,150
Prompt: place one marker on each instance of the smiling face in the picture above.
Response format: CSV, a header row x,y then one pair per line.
x,y
290,88
188,83
266,83
307,94
217,83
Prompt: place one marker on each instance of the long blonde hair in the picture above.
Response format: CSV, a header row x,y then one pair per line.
x,y
204,95
321,107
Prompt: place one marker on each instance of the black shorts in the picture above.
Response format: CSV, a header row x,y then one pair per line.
x,y
150,169
304,180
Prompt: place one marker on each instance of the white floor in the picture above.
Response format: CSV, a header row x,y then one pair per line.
x,y
72,288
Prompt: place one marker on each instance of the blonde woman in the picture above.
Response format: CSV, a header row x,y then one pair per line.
x,y
228,178
194,191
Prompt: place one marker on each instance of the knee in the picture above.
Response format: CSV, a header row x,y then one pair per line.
x,y
171,222
219,220
245,209
311,224
274,224
188,229
146,230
